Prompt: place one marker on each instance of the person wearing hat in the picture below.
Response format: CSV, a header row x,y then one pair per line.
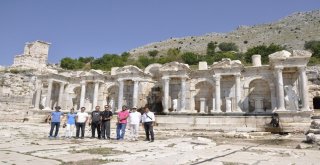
x,y
134,121
55,122
122,122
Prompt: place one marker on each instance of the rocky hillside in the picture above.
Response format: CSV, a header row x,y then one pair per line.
x,y
291,31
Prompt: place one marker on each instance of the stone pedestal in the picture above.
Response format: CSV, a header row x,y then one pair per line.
x,y
258,104
202,105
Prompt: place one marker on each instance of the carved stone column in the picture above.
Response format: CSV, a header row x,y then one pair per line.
x,y
183,95
135,93
61,91
304,88
83,93
166,94
202,105
50,83
281,105
120,95
228,104
95,95
238,93
38,95
218,97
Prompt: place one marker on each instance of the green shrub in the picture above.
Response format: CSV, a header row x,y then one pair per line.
x,y
228,46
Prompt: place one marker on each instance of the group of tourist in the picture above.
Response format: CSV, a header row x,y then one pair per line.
x,y
100,122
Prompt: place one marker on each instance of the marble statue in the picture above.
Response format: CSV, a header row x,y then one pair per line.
x,y
111,102
291,98
175,104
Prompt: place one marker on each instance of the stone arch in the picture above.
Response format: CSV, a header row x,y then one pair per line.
x,y
153,70
204,90
272,88
110,95
259,96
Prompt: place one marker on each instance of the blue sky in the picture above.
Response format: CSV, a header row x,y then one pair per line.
x,y
92,28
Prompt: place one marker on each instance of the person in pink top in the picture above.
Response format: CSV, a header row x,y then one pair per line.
x,y
122,122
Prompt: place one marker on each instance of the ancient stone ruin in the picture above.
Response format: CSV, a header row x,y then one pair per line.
x,y
225,95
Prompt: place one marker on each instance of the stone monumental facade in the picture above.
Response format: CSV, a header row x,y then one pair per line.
x,y
226,86
222,95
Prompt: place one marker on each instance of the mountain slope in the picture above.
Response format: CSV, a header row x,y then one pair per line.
x,y
291,31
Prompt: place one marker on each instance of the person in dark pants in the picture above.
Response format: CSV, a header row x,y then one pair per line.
x,y
106,116
55,122
81,120
148,120
95,122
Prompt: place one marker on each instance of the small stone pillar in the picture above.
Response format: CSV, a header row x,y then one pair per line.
x,y
203,65
228,104
202,105
258,104
256,60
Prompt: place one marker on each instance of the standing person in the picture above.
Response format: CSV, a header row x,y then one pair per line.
x,y
106,116
55,122
81,120
122,123
148,120
134,121
95,122
71,121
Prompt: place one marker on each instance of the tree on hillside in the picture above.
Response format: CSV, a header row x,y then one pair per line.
x,y
173,52
190,58
314,47
228,46
107,61
153,53
86,60
125,56
71,64
264,51
211,48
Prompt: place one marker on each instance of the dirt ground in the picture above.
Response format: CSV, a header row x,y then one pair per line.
x,y
28,143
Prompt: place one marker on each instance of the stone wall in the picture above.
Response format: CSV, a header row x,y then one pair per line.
x,y
35,56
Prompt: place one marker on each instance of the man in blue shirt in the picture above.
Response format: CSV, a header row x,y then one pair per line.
x,y
55,121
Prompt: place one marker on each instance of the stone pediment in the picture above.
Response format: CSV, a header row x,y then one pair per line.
x,y
92,72
301,53
287,59
280,55
174,66
130,69
227,63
